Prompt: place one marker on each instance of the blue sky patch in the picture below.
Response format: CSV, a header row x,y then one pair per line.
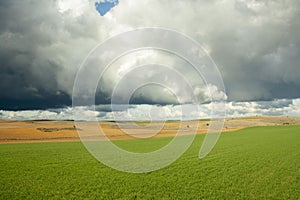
x,y
105,6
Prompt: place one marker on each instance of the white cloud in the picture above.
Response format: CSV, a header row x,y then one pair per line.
x,y
210,93
278,107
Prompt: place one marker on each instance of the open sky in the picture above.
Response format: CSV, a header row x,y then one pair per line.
x,y
255,44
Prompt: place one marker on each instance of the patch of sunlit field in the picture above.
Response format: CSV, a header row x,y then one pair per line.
x,y
254,163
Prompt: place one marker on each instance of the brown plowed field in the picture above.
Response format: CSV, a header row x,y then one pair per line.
x,y
66,131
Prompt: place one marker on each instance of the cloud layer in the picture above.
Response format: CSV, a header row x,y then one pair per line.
x,y
154,112
255,44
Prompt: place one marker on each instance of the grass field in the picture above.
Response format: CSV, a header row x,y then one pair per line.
x,y
254,163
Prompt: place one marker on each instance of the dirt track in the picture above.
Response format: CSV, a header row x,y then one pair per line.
x,y
65,131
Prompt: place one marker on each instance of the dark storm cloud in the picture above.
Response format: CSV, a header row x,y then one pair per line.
x,y
33,55
256,45
27,78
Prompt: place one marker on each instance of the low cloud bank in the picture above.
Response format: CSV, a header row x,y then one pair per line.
x,y
286,107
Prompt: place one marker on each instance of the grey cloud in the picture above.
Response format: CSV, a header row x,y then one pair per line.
x,y
256,45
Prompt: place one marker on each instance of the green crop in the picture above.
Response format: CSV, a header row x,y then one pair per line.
x,y
254,163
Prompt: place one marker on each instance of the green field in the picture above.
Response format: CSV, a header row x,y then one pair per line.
x,y
254,163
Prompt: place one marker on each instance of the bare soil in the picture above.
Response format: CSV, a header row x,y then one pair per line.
x,y
66,131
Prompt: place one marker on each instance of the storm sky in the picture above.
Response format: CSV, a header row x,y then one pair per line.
x,y
255,44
